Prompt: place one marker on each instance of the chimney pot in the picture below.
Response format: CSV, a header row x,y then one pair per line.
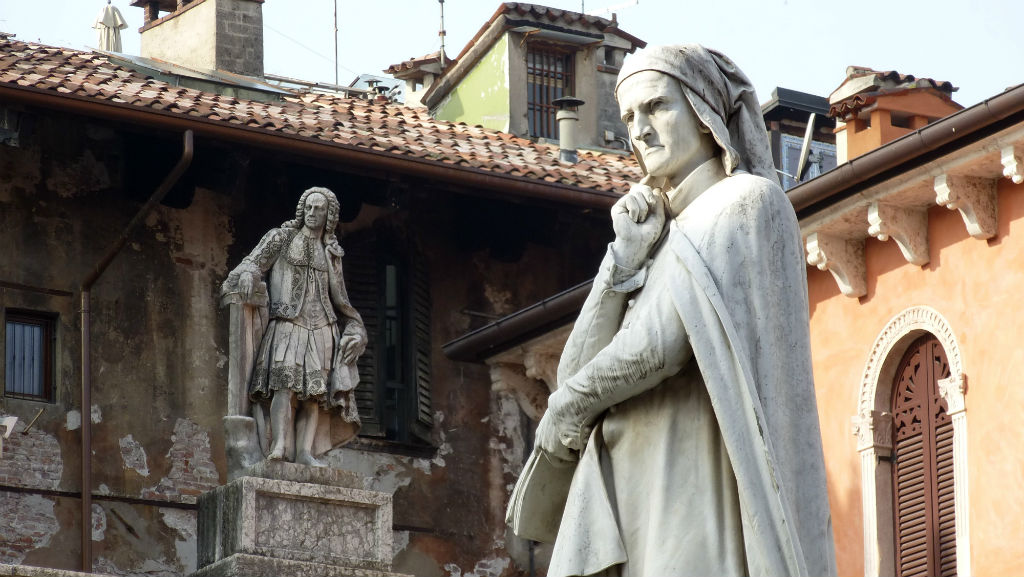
x,y
567,118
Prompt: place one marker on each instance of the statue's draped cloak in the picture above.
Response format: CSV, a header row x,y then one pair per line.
x,y
728,445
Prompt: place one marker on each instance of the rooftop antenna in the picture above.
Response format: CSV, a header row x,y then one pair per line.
x,y
442,33
335,42
613,8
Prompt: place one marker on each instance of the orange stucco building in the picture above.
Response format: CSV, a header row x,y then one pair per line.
x,y
922,236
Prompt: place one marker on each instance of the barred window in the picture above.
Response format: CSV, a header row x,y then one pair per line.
x,y
550,74
28,357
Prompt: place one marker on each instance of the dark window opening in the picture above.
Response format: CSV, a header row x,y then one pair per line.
x,y
550,74
28,355
391,292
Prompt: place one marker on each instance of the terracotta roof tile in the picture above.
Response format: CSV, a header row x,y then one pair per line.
x,y
393,129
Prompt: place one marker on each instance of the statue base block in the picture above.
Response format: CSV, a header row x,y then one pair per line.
x,y
285,519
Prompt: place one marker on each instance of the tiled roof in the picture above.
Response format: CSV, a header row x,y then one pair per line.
x,y
381,127
863,86
413,63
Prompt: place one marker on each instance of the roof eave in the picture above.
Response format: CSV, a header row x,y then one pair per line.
x,y
348,154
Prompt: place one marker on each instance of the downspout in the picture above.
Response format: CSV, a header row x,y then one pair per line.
x,y
158,195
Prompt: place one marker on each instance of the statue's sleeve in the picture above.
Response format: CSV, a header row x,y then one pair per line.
x,y
600,316
259,261
650,348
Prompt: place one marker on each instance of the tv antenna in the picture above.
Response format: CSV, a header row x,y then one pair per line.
x,y
442,34
610,9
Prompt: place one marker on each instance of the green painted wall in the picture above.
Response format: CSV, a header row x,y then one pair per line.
x,y
483,95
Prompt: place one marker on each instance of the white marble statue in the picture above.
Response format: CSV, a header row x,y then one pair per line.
x,y
304,369
685,403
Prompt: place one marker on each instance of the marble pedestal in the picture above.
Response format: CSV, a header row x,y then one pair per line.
x,y
282,520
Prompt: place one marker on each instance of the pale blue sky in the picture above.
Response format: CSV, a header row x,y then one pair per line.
x,y
800,44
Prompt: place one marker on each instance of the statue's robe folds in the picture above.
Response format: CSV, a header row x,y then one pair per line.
x,y
694,397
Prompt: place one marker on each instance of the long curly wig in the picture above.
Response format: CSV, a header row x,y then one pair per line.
x,y
333,209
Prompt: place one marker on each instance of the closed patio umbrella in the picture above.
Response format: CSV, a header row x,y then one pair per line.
x,y
109,24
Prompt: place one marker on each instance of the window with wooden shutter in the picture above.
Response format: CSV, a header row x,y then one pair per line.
x,y
922,467
28,355
389,285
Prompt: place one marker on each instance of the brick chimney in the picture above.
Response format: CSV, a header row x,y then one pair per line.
x,y
222,35
873,108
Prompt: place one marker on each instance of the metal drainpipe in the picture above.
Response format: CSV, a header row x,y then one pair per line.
x,y
158,195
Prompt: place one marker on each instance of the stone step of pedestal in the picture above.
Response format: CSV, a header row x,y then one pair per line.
x,y
314,516
242,565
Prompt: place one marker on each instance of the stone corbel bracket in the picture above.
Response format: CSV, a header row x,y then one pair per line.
x,y
1013,166
909,228
843,258
974,197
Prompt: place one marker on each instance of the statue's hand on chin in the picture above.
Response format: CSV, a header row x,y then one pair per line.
x,y
638,219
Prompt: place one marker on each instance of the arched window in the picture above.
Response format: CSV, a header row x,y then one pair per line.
x,y
924,516
912,401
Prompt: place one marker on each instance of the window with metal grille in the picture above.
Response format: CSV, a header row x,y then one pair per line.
x,y
922,471
549,75
28,356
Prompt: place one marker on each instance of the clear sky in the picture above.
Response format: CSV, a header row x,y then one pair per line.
x,y
799,44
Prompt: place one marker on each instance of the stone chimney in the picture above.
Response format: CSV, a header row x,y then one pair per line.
x,y
224,35
873,108
419,74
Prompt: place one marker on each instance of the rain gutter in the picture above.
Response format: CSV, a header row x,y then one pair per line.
x,y
914,149
311,147
86,288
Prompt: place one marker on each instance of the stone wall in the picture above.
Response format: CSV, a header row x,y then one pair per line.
x,y
159,342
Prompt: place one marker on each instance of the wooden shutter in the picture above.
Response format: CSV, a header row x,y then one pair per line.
x,y
424,421
923,511
362,282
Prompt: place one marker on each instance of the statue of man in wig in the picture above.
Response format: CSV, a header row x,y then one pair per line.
x,y
305,364
685,409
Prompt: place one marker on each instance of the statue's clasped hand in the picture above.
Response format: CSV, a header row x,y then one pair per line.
x,y
639,220
351,347
557,436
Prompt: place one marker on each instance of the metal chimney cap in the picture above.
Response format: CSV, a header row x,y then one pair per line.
x,y
567,102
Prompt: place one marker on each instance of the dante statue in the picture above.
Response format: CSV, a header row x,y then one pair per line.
x,y
307,337
685,418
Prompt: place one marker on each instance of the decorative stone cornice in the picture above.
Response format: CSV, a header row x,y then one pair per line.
x,y
954,391
843,258
542,366
1013,167
874,432
909,228
530,394
974,197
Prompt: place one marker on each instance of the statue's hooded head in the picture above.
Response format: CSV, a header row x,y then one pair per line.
x,y
722,98
333,209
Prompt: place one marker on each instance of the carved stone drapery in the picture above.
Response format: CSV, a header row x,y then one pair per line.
x,y
974,197
909,228
843,258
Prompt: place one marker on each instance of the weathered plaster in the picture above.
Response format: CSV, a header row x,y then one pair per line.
x,y
184,522
192,468
99,522
28,523
134,456
31,460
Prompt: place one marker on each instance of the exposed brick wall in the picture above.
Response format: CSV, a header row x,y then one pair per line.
x,y
31,460
192,469
27,522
